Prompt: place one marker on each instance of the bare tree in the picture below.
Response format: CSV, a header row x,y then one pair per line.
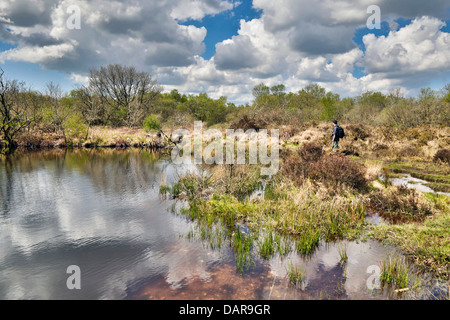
x,y
59,112
15,111
90,107
128,93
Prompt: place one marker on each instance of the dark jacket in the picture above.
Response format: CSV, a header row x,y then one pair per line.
x,y
335,133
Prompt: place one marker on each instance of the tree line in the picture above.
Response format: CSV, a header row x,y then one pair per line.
x,y
118,95
313,102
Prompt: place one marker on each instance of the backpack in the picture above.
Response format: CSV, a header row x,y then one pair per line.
x,y
340,132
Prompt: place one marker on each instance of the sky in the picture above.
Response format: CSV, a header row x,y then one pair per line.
x,y
226,47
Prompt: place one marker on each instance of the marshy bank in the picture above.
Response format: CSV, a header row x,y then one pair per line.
x,y
99,137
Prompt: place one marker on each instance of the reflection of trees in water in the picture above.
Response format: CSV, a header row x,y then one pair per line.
x,y
6,181
117,171
13,174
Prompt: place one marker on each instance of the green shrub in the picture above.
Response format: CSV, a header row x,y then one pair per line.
x,y
74,127
151,122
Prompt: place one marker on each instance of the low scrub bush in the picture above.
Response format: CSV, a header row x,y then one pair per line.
x,y
295,168
246,123
75,128
358,131
442,155
332,170
336,169
409,152
311,151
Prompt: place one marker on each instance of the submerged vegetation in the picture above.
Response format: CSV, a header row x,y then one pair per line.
x,y
394,271
296,274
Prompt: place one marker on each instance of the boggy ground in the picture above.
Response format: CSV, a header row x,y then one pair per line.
x,y
322,196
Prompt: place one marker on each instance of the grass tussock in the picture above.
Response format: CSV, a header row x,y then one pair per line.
x,y
235,180
336,169
242,245
307,241
270,243
307,212
394,271
342,250
296,274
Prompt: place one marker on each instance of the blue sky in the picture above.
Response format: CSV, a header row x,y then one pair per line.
x,y
224,25
226,47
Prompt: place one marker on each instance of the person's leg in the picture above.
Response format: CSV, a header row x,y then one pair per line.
x,y
335,146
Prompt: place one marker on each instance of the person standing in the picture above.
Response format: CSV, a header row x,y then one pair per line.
x,y
336,136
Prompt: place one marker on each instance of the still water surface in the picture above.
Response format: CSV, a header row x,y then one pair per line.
x,y
101,210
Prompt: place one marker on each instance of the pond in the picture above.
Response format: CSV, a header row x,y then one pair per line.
x,y
414,183
101,210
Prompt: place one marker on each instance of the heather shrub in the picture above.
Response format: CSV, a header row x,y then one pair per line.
x,y
358,131
287,133
442,155
311,151
332,170
336,169
409,152
295,168
246,123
